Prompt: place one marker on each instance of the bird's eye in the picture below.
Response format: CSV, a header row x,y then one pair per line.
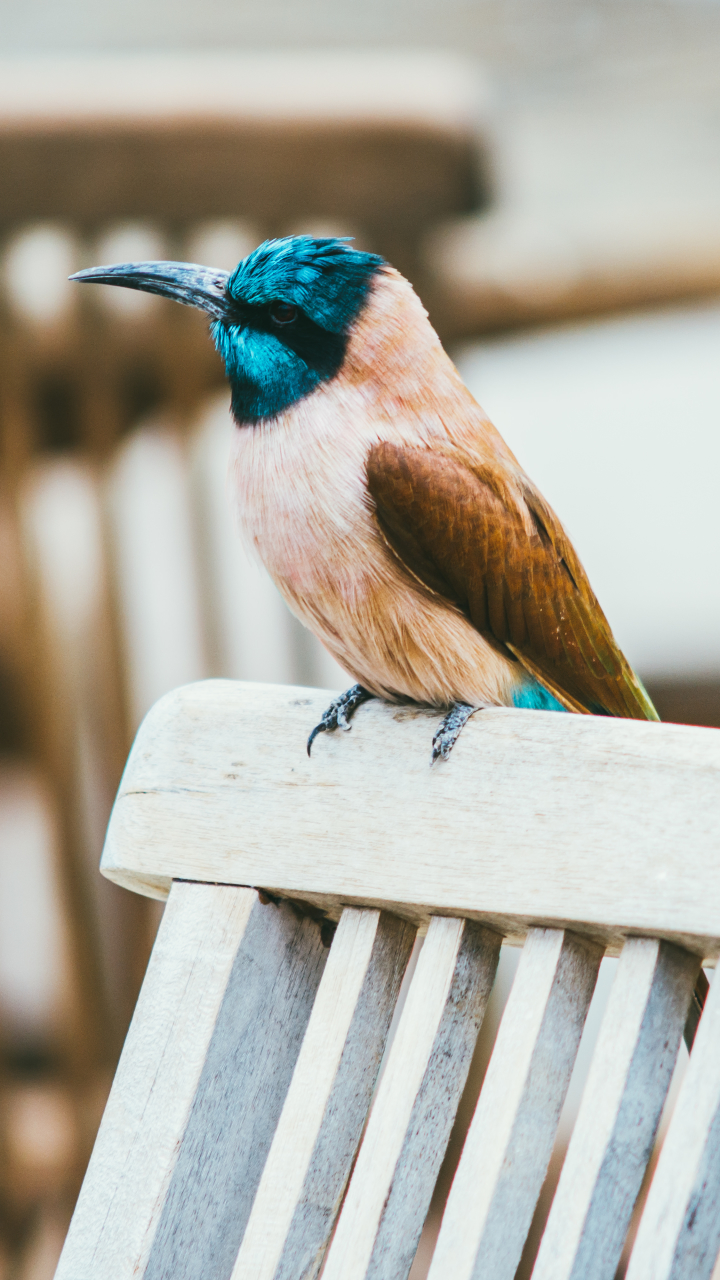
x,y
283,313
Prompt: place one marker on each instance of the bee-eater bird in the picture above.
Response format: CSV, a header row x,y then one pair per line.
x,y
387,508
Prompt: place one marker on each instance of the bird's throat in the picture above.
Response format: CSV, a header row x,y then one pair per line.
x,y
268,376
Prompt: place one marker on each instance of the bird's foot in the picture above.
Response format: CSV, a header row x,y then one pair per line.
x,y
340,712
450,729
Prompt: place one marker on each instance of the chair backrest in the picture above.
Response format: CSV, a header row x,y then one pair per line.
x,y
240,1135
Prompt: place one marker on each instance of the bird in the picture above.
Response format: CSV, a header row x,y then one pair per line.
x,y
384,503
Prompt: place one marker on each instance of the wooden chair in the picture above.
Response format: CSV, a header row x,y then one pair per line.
x,y
239,1134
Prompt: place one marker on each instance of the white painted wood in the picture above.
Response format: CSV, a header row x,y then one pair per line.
x,y
80,732
36,262
154,558
510,1140
219,787
36,989
620,1111
198,1091
411,1118
679,1233
328,1100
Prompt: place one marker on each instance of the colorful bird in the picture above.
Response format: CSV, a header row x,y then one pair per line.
x,y
387,508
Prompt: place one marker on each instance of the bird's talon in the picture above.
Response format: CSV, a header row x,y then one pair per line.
x,y
319,728
449,730
340,712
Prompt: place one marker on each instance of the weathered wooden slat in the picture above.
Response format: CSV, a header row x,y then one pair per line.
x,y
620,1111
326,1106
409,1126
199,1089
511,1137
219,788
679,1233
149,520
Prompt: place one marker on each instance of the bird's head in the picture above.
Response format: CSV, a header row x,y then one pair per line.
x,y
280,320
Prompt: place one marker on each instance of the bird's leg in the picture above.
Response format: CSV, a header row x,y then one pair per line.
x,y
340,712
449,730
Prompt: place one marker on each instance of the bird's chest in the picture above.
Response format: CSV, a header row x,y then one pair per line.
x,y
299,492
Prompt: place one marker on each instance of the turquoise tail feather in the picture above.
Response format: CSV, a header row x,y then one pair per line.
x,y
532,696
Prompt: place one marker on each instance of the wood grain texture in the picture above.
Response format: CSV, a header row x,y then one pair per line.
x,y
327,1103
679,1233
510,1140
531,804
411,1118
620,1111
200,1085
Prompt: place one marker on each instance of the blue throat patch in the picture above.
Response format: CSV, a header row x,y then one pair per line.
x,y
295,301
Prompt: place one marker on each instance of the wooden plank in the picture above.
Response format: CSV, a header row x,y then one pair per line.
x,y
409,1126
219,787
679,1233
156,575
327,1104
198,1091
77,733
511,1136
620,1111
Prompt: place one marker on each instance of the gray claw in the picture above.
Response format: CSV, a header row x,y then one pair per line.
x,y
449,730
342,719
340,712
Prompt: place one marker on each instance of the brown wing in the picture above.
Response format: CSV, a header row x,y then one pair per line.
x,y
502,557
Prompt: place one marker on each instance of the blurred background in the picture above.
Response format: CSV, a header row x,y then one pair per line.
x,y
546,172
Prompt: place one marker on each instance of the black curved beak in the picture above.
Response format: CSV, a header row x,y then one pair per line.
x,y
194,286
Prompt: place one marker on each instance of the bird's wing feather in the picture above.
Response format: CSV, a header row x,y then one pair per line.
x,y
492,546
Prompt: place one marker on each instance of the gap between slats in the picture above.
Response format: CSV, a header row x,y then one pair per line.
x,y
679,1233
620,1111
511,1136
327,1103
412,1115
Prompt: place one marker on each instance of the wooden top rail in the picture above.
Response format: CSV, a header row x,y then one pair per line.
x,y
609,826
